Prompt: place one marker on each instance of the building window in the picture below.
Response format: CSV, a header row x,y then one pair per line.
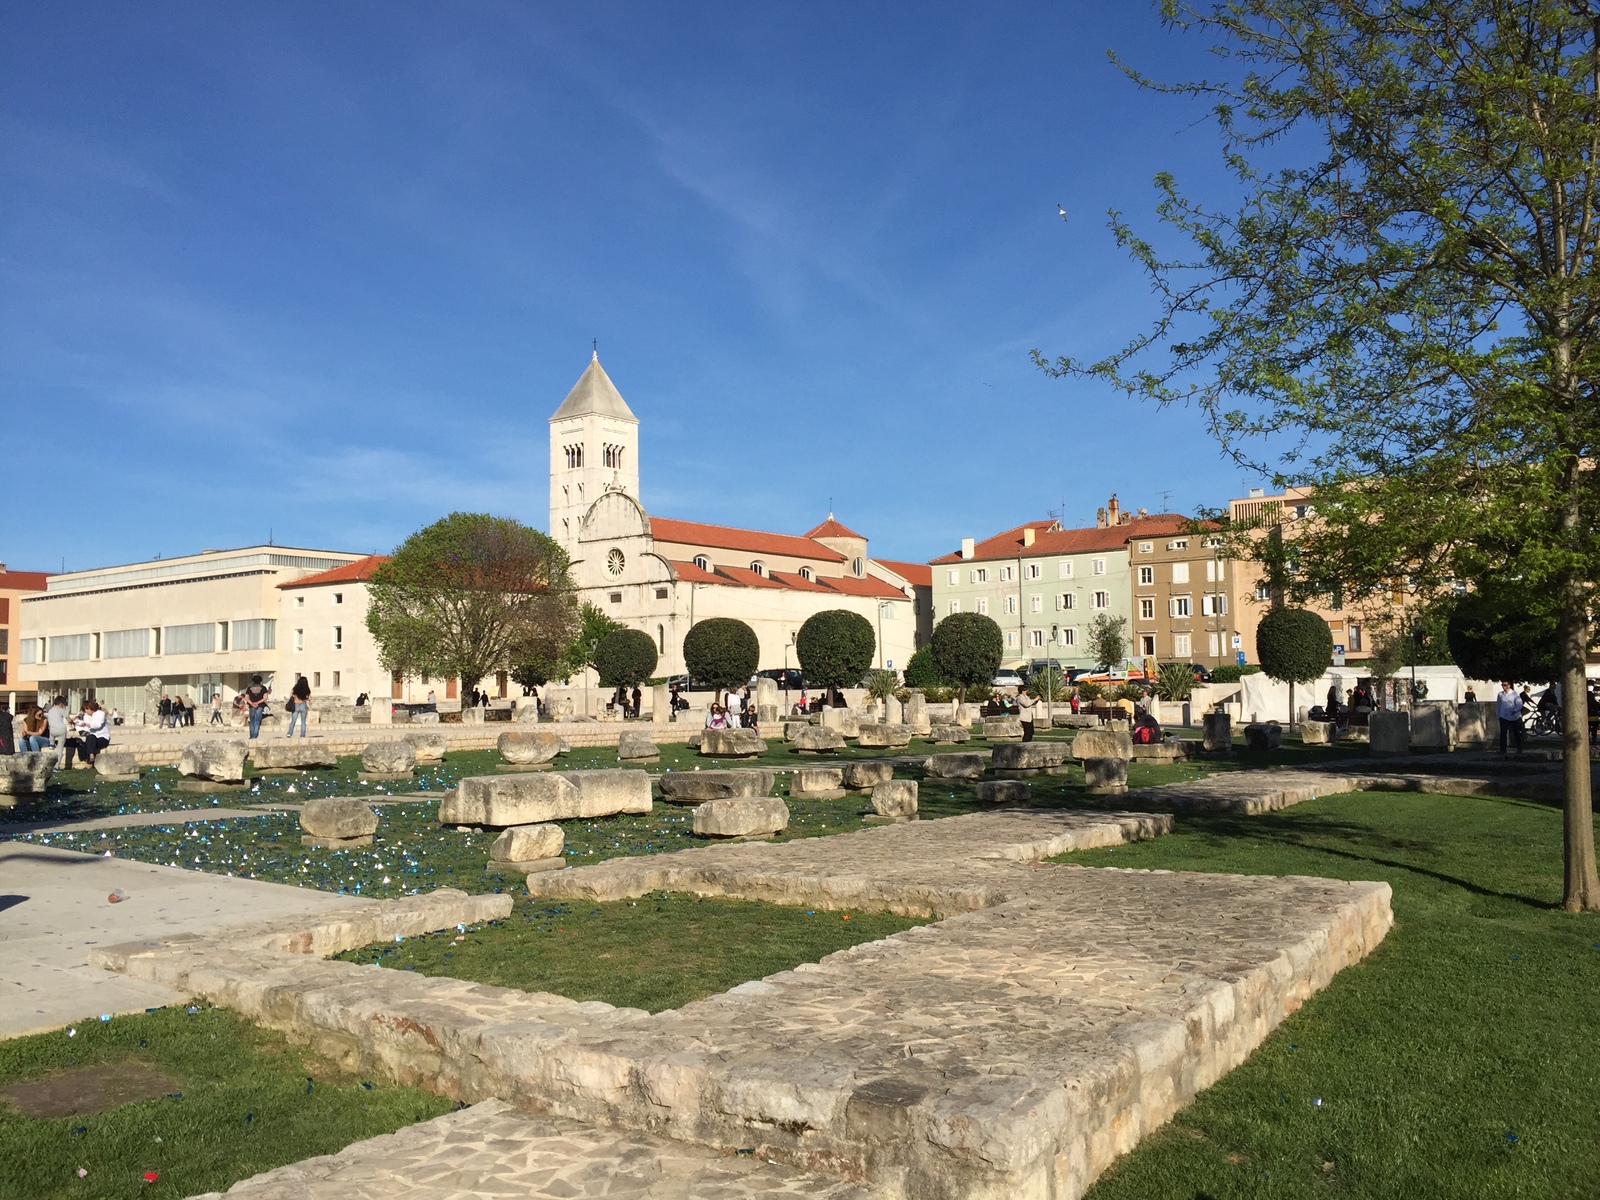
x,y
1213,570
955,607
1147,575
661,639
615,597
701,561
28,650
338,637
983,605
1036,603
1033,570
574,456
1354,642
300,642
316,679
1302,511
3,676
338,597
1069,637
1213,606
1146,547
255,635
1102,600
1065,601
808,574
1147,645
1180,544
951,577
661,593
611,455
1180,572
1011,639
1064,569
980,575
859,566
1099,566
1147,609
299,601
1007,574
1011,604
1180,645
1036,637
616,562
222,636
1263,591
1213,645
1179,606
190,639
125,643
336,679
760,568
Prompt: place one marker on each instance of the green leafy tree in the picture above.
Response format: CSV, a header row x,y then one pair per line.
x,y
966,649
921,671
722,652
1493,635
1401,311
1107,640
1295,646
625,658
575,656
835,648
469,595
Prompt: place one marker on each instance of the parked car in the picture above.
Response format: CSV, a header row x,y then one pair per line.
x,y
1008,678
1202,673
788,679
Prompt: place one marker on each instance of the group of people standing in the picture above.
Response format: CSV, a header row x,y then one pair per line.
x,y
173,711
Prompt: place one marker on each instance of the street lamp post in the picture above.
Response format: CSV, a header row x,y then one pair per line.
x,y
1049,676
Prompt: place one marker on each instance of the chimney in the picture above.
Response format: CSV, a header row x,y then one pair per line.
x,y
1143,513
969,548
1113,511
1027,536
1099,518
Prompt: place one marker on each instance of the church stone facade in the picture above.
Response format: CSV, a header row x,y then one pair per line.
x,y
662,575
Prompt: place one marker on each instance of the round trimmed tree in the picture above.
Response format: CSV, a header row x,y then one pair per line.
x,y
625,658
1294,646
966,650
1492,636
835,648
920,671
722,652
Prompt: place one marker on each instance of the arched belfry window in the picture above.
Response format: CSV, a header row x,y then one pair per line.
x,y
759,567
701,561
612,455
575,455
807,573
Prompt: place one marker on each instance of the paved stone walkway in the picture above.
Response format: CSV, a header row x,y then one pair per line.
x,y
491,1151
54,913
1255,792
1011,1050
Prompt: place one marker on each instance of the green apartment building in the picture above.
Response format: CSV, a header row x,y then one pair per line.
x,y
1043,584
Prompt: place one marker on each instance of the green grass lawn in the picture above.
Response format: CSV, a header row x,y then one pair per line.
x,y
660,951
1461,1059
242,1101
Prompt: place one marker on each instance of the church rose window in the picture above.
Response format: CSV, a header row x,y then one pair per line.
x,y
615,561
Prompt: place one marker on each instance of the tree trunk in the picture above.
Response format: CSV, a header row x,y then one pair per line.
x,y
1291,703
1582,885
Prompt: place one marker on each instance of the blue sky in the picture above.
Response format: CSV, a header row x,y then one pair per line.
x,y
326,270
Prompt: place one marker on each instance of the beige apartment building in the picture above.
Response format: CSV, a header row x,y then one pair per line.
x,y
1184,609
201,624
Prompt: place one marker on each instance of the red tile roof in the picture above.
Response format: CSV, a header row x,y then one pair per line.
x,y
832,528
1048,540
798,582
23,581
745,577
916,574
851,586
750,541
689,573
352,572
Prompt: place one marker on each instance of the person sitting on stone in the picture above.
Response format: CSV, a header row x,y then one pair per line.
x,y
93,734
35,730
1146,729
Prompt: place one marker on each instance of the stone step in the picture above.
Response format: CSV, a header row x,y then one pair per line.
x,y
492,1150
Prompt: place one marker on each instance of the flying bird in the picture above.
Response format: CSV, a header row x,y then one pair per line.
x,y
1062,211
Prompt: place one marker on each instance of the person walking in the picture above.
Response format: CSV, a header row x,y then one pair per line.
x,y
188,711
1027,708
255,703
164,711
1508,707
216,708
638,699
300,699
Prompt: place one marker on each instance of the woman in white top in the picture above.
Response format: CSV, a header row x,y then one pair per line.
x,y
94,734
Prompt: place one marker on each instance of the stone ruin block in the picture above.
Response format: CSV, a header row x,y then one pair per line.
x,y
817,783
731,743
695,787
864,776
26,774
744,816
1318,733
1022,759
1435,725
895,799
428,747
397,758
883,735
526,849
954,766
338,821
1102,742
293,754
1389,732
498,801
1106,776
530,749
635,745
1002,729
948,735
815,739
117,766
1004,791
1268,736
217,759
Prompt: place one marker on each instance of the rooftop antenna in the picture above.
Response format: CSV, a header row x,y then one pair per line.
x,y
1166,501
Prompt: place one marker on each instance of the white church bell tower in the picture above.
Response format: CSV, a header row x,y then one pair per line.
x,y
594,449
